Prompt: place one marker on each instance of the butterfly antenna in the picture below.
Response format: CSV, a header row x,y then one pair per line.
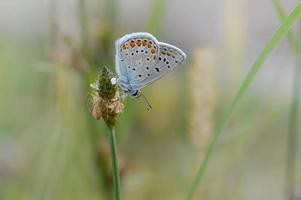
x,y
149,107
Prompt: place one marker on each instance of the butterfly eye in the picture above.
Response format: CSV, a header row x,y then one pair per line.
x,y
167,62
147,68
164,60
148,74
137,51
139,75
168,66
132,54
157,69
147,59
160,58
134,69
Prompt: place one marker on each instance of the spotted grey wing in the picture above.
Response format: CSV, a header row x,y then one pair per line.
x,y
169,58
136,56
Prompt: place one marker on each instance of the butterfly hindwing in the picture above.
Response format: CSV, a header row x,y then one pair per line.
x,y
169,58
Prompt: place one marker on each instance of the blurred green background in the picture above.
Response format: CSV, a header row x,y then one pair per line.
x,y
52,148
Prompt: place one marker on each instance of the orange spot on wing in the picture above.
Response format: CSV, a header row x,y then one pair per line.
x,y
149,45
153,51
138,42
132,43
145,42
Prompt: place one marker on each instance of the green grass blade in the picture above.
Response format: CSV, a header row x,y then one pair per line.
x,y
53,12
84,28
292,134
111,12
279,34
290,35
294,107
156,17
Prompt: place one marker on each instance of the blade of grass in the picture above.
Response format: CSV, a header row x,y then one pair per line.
x,y
292,134
156,17
111,6
84,29
294,106
53,21
279,34
293,41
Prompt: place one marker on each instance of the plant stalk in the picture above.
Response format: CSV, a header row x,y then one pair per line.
x,y
53,21
115,166
293,127
292,134
84,29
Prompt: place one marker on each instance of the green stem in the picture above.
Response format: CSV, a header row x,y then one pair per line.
x,y
53,22
292,134
279,34
115,166
156,17
111,12
85,40
293,41
294,106
293,128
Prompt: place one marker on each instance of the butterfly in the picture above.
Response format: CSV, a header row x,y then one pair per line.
x,y
141,60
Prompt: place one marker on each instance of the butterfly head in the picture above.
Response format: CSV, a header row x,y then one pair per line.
x,y
136,94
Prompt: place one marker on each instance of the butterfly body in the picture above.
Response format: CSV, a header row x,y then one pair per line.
x,y
141,60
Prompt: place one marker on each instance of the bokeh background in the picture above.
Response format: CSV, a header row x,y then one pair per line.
x,y
52,148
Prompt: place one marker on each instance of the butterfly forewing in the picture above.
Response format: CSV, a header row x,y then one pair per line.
x,y
136,57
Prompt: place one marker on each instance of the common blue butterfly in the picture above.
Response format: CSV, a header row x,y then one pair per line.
x,y
141,60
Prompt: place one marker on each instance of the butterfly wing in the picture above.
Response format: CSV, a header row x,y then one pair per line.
x,y
169,58
136,56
